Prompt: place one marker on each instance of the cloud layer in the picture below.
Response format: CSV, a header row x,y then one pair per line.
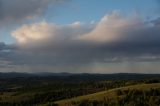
x,y
21,10
114,39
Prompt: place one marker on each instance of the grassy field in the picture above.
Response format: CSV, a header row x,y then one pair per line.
x,y
110,94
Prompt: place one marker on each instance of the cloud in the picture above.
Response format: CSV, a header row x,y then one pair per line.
x,y
2,45
44,31
112,27
115,39
20,10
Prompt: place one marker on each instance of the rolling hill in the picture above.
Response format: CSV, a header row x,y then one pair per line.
x,y
110,94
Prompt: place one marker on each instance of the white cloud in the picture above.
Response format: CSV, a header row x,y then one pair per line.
x,y
111,27
35,32
44,32
114,39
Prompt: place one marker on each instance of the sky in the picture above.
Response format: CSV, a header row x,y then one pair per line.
x,y
80,36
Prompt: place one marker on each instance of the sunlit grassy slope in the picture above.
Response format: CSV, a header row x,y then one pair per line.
x,y
106,94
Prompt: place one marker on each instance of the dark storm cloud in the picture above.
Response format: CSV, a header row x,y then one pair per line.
x,y
13,11
156,22
2,45
114,39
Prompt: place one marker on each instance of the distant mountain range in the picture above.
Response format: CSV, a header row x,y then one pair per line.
x,y
84,76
